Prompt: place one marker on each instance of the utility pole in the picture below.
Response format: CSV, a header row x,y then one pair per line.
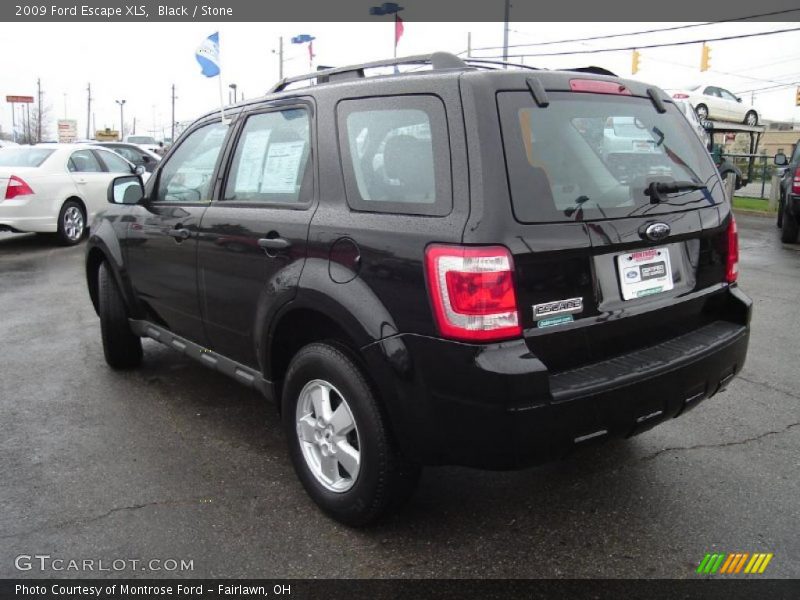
x,y
39,120
88,110
505,31
174,97
121,120
469,44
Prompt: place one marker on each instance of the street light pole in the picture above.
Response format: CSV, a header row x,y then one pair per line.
x,y
233,87
506,17
121,119
172,138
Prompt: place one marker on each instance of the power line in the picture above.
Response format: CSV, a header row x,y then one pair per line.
x,y
643,32
647,46
769,87
684,65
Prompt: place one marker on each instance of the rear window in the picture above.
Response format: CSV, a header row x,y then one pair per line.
x,y
23,157
592,156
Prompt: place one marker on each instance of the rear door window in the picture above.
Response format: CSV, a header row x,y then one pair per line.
x,y
272,159
593,156
396,154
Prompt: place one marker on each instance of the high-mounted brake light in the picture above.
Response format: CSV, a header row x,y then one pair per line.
x,y
680,96
732,262
796,181
598,87
472,292
17,187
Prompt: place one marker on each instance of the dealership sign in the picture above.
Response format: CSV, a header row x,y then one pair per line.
x,y
20,99
67,131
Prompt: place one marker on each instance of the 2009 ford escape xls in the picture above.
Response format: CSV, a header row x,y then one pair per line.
x,y
464,266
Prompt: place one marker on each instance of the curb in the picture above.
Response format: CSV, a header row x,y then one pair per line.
x,y
755,213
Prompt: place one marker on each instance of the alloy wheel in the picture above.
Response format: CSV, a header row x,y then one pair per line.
x,y
328,436
73,223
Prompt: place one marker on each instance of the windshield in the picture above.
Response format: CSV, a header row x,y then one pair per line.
x,y
141,139
593,156
23,157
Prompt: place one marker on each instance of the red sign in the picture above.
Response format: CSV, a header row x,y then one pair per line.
x,y
23,99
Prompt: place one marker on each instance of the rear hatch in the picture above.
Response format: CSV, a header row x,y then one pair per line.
x,y
618,220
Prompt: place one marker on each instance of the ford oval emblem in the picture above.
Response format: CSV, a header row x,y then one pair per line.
x,y
657,231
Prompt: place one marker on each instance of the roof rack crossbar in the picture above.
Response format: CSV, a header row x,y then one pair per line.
x,y
437,60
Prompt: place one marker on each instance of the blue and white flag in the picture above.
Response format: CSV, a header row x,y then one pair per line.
x,y
208,55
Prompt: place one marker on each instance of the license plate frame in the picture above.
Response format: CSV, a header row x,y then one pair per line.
x,y
644,273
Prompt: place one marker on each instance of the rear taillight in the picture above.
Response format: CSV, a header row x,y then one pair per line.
x,y
472,292
796,181
17,187
732,262
680,96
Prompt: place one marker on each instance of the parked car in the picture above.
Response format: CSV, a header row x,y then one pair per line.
x,y
713,102
147,142
133,153
435,269
56,188
789,198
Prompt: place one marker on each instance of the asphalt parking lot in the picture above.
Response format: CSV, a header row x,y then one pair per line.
x,y
175,461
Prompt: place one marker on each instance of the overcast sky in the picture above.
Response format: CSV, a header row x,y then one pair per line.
x,y
139,62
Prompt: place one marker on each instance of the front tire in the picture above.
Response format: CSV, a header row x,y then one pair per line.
x,y
339,440
122,348
751,118
71,223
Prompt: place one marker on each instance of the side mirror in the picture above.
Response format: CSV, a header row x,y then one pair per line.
x,y
139,170
781,160
739,100
126,190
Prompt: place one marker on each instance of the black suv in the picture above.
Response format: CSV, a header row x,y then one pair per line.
x,y
466,265
789,195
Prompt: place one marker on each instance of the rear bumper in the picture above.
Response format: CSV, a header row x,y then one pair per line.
x,y
27,214
497,407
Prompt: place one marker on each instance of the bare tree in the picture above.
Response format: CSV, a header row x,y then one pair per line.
x,y
28,128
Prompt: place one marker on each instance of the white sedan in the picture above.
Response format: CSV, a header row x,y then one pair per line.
x,y
56,188
716,103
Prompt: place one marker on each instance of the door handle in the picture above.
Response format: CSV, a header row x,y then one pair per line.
x,y
274,243
180,234
81,181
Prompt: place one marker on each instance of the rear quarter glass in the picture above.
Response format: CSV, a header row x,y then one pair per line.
x,y
591,157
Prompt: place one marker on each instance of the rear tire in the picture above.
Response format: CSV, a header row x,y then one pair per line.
x,y
789,229
779,222
322,378
751,118
122,349
71,223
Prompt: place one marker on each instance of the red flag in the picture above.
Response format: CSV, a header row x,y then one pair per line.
x,y
398,28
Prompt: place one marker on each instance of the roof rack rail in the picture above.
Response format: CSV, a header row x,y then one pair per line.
x,y
489,64
437,60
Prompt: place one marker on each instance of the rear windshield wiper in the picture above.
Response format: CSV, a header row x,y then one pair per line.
x,y
657,188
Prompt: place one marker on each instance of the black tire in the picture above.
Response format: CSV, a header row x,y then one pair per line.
x,y
385,480
779,222
701,110
71,223
122,349
789,229
754,115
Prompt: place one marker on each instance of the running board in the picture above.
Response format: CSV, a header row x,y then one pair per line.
x,y
245,375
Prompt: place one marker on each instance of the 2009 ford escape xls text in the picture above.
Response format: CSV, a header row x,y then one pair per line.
x,y
463,266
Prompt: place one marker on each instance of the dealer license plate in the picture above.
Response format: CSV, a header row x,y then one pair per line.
x,y
644,273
